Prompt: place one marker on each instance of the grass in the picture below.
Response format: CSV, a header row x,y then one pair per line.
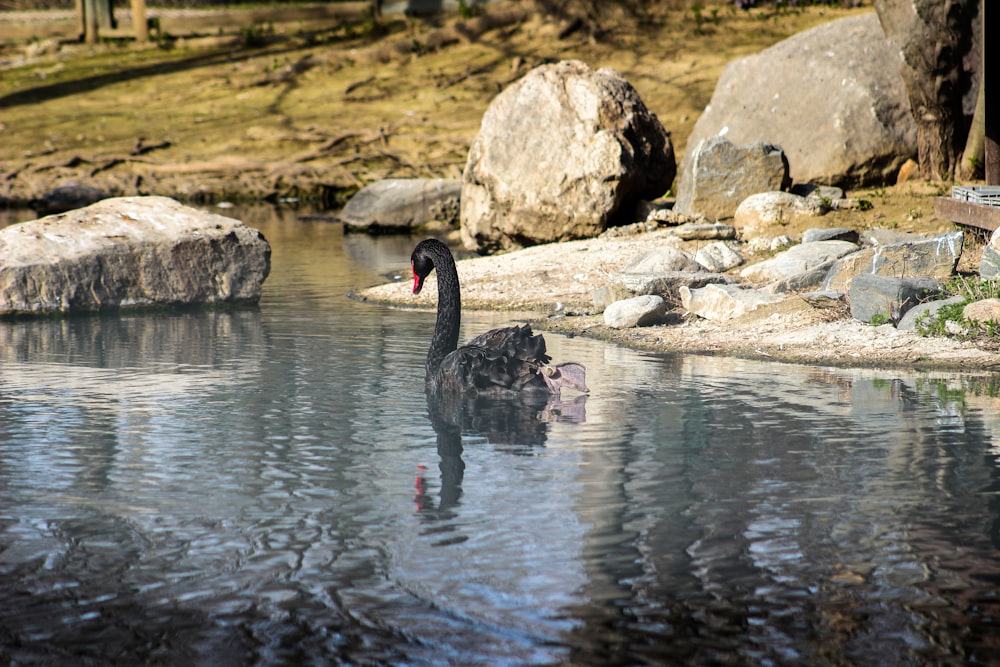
x,y
950,320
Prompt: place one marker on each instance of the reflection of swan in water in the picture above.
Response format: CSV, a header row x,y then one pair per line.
x,y
501,362
521,421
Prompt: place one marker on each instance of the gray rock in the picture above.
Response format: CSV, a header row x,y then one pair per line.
x,y
832,234
872,295
928,309
130,251
824,299
67,198
725,302
661,260
796,260
884,237
399,204
718,257
935,257
721,174
768,208
846,123
694,231
821,193
811,279
666,284
560,154
638,311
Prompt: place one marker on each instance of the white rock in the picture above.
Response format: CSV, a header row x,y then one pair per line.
x,y
638,311
725,302
718,257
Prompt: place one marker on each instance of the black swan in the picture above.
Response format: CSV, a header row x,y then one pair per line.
x,y
501,362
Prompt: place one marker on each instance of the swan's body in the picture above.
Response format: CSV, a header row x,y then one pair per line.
x,y
506,361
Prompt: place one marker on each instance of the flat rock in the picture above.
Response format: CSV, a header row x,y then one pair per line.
x,y
796,260
725,302
916,256
831,234
698,231
666,284
824,299
129,251
663,259
399,204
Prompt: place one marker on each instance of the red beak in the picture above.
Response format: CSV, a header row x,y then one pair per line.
x,y
418,282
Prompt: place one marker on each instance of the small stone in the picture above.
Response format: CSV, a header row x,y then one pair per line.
x,y
704,232
832,234
638,311
718,257
768,208
985,310
661,260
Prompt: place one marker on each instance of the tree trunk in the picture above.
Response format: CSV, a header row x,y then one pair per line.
x,y
933,38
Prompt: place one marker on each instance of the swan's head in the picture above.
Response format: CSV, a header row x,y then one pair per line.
x,y
422,266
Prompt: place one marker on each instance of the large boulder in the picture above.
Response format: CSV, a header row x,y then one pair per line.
x,y
561,154
831,97
129,251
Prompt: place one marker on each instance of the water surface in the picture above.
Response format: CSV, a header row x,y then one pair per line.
x,y
268,485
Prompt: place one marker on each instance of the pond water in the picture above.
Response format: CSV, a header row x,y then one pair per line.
x,y
267,485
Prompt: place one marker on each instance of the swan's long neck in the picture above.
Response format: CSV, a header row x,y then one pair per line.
x,y
449,312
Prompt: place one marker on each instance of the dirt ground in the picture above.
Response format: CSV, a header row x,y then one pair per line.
x,y
312,116
285,113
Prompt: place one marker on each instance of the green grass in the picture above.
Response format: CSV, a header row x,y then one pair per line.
x,y
970,289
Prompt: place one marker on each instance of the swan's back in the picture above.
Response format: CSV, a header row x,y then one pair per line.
x,y
500,361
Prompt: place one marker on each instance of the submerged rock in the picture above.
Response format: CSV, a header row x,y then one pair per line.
x,y
129,251
68,197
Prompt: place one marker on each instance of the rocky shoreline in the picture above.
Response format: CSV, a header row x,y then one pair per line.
x,y
552,287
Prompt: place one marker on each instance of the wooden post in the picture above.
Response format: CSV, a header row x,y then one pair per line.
x,y
90,21
140,26
990,81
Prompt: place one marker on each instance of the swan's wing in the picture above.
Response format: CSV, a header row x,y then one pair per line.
x,y
472,367
513,343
